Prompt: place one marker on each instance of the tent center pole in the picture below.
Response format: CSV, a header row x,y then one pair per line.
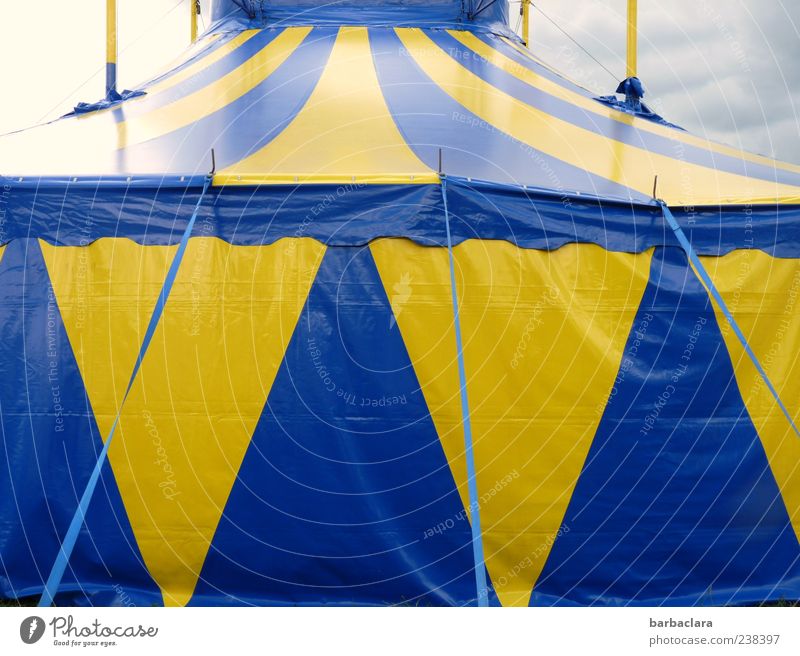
x,y
525,9
632,38
111,48
194,11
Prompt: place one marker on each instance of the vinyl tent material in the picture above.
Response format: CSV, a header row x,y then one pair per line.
x,y
294,434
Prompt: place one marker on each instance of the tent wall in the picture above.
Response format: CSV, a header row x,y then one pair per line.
x,y
153,211
293,436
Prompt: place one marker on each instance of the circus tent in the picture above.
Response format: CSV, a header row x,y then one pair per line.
x,y
295,430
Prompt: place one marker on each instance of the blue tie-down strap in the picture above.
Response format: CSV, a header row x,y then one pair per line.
x,y
715,294
472,484
71,537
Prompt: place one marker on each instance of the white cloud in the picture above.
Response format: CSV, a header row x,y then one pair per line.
x,y
725,69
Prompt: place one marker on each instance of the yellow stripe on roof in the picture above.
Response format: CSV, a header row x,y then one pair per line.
x,y
540,62
97,141
203,63
229,88
679,182
559,91
344,133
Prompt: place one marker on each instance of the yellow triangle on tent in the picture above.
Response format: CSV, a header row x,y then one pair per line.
x,y
544,334
202,386
763,294
106,293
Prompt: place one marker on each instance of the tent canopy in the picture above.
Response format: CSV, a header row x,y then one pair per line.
x,y
375,105
295,433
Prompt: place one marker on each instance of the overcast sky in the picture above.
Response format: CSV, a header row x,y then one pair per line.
x,y
726,69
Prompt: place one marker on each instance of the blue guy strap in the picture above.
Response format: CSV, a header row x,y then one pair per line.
x,y
472,484
71,537
706,278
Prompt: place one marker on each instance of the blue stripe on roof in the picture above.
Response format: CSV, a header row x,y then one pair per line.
x,y
201,79
429,120
602,125
200,54
250,122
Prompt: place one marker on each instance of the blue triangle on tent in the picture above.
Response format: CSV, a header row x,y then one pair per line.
x,y
676,504
50,446
345,494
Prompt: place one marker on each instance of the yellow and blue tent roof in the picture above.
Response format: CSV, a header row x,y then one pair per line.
x,y
375,105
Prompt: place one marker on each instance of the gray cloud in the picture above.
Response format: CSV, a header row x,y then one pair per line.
x,y
724,69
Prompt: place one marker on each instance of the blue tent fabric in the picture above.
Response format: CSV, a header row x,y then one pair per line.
x,y
488,14
330,131
51,442
639,109
76,214
345,469
633,91
112,100
676,481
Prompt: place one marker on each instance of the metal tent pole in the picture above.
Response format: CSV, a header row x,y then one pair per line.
x,y
632,38
194,11
526,21
111,48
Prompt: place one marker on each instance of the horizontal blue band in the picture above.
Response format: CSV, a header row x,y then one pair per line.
x,y
74,214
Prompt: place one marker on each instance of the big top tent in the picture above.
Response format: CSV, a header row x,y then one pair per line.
x,y
377,305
